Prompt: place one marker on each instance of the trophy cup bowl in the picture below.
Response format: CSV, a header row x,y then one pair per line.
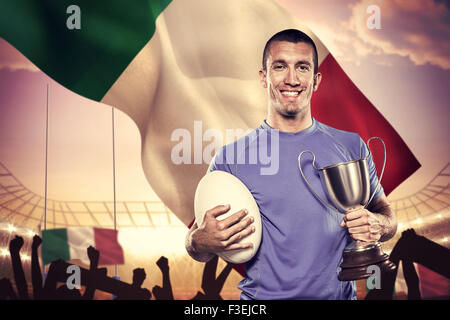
x,y
347,185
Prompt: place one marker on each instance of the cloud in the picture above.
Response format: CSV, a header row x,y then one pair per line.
x,y
342,43
329,20
419,30
12,59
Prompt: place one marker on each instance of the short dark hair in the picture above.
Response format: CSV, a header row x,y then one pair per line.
x,y
295,36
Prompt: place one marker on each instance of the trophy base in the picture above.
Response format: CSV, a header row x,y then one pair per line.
x,y
355,262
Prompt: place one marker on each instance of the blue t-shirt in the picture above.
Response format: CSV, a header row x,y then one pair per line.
x,y
302,241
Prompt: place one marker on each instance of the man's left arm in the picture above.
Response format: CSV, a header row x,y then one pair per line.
x,y
376,223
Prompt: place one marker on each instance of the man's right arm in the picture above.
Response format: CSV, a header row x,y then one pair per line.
x,y
215,235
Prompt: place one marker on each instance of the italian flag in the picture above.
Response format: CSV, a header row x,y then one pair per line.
x,y
72,243
432,285
167,64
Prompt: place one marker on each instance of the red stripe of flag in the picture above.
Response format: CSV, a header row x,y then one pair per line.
x,y
106,242
432,284
341,105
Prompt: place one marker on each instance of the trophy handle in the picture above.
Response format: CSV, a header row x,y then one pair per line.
x,y
304,178
382,170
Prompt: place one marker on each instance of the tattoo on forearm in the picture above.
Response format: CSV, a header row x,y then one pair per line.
x,y
387,217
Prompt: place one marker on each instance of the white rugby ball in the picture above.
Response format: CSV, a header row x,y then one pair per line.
x,y
221,188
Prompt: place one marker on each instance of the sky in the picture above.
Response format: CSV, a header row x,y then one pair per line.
x,y
402,68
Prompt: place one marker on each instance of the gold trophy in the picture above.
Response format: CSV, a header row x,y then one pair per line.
x,y
348,185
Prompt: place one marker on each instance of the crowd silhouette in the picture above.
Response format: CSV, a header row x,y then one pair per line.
x,y
210,284
409,248
96,278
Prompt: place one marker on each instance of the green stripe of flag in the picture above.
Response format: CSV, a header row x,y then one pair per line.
x,y
55,245
87,61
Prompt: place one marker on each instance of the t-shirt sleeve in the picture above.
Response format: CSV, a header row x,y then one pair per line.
x,y
219,162
372,172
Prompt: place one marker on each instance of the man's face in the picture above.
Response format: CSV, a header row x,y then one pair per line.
x,y
289,77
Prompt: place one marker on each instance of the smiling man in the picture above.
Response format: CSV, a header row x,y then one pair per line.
x,y
302,239
290,80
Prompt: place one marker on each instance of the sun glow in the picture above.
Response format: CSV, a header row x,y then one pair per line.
x,y
149,241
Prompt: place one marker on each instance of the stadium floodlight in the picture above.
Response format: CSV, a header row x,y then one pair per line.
x,y
30,233
25,257
4,252
11,228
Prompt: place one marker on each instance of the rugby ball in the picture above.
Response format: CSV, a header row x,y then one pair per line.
x,y
221,188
